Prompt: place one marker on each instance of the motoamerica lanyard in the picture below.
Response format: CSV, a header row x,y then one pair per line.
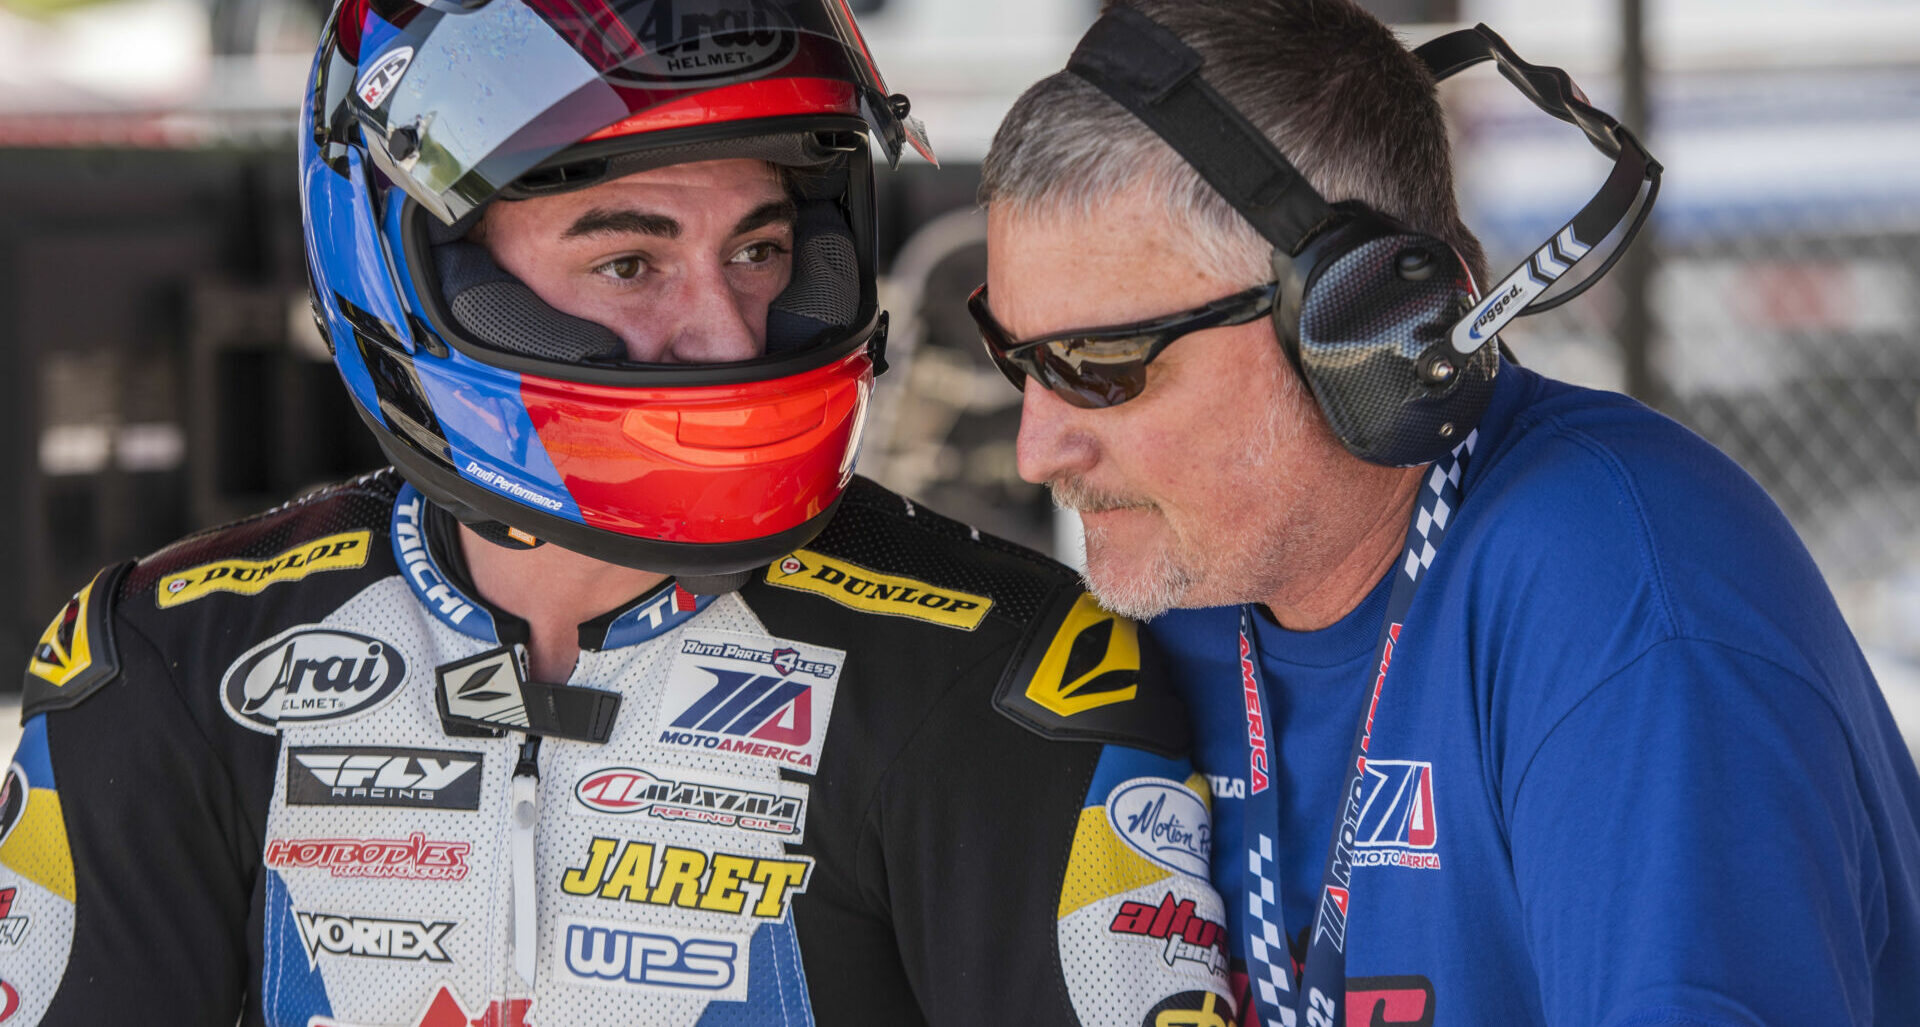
x,y
1323,993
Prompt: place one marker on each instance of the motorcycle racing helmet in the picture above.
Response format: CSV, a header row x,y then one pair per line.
x,y
533,425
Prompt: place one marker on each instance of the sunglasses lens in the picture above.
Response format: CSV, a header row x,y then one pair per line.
x,y
1094,373
1086,372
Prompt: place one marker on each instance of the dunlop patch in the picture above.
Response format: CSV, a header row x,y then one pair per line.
x,y
858,588
345,551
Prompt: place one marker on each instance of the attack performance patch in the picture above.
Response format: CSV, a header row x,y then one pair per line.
x,y
345,551
858,588
347,775
489,692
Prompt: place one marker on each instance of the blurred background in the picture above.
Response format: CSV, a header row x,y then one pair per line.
x,y
160,372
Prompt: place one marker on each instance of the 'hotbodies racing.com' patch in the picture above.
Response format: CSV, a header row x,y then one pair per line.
x,y
754,696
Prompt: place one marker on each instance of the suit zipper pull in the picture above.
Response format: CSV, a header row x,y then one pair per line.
x,y
525,812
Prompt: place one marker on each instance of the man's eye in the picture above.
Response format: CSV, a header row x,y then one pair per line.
x,y
623,268
759,253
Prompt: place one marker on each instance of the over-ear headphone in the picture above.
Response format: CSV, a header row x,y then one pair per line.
x,y
1382,321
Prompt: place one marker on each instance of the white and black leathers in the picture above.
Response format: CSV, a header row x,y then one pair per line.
x,y
907,774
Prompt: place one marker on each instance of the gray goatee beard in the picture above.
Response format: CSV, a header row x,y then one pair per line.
x,y
1155,589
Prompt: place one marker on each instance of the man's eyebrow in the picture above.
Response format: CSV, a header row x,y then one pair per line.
x,y
780,211
622,222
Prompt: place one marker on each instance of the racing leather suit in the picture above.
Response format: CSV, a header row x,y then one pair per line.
x,y
907,774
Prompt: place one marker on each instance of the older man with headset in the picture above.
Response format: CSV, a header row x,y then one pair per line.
x,y
1520,703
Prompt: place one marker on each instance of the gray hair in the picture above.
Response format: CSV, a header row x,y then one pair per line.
x,y
1334,88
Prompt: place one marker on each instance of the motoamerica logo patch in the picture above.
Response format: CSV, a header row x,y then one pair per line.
x,y
858,588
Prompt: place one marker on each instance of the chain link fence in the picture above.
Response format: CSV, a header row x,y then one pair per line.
x,y
1796,352
1784,317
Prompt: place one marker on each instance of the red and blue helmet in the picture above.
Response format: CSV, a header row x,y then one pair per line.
x,y
513,415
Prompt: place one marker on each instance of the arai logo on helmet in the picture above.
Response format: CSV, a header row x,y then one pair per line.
x,y
383,75
695,42
310,674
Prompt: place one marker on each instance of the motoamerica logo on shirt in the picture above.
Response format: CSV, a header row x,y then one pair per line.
x,y
1397,826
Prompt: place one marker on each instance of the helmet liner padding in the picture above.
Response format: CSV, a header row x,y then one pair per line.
x,y
824,292
500,310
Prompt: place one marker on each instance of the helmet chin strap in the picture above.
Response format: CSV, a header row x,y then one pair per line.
x,y
504,536
714,584
519,541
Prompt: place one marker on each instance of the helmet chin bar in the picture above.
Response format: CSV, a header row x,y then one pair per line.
x,y
708,564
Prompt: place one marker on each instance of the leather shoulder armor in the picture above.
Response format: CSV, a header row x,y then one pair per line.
x,y
337,528
1083,675
1077,672
76,654
340,528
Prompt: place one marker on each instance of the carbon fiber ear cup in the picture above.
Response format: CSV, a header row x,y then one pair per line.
x,y
498,309
1366,315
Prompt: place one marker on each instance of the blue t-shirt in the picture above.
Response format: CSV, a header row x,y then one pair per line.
x,y
1628,767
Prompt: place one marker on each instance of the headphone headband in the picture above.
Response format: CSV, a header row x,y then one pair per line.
x,y
1151,72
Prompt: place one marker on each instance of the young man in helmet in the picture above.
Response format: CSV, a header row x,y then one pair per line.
x,y
620,701
1521,704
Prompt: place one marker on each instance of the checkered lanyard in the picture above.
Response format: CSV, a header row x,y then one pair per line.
x,y
1323,992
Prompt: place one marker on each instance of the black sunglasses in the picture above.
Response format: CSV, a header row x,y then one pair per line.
x,y
1102,367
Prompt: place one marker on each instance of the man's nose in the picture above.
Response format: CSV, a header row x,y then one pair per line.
x,y
705,321
1051,443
